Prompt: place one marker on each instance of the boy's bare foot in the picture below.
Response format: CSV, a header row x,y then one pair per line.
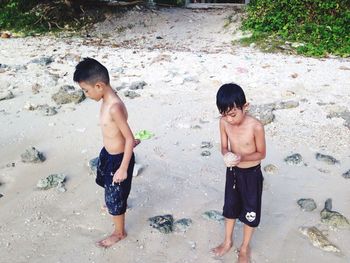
x,y
244,255
222,249
111,240
136,142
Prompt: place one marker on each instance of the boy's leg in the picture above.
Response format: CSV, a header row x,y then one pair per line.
x,y
227,244
244,251
118,234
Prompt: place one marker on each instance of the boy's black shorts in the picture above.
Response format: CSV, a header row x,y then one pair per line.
x,y
116,195
243,191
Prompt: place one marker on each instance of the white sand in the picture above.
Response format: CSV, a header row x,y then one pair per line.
x,y
48,226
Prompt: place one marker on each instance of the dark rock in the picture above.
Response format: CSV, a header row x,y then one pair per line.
x,y
333,218
307,204
344,114
163,223
213,215
68,94
206,153
6,95
47,110
346,175
131,94
137,85
32,155
43,61
326,158
182,225
1,195
53,180
93,165
294,159
264,112
206,145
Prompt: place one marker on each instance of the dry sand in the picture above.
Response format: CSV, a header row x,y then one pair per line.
x,y
178,105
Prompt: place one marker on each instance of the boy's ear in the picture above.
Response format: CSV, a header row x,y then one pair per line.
x,y
246,106
99,86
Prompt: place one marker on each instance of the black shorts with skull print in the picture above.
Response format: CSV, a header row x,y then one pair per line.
x,y
243,192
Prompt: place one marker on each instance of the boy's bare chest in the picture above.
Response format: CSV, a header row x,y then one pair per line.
x,y
242,138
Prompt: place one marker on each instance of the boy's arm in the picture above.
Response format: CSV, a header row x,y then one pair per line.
x,y
259,137
118,115
223,136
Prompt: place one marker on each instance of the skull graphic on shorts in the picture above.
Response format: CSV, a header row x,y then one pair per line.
x,y
250,216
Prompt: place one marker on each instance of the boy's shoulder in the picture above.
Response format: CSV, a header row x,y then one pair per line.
x,y
255,123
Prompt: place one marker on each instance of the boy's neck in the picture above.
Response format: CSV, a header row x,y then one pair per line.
x,y
108,93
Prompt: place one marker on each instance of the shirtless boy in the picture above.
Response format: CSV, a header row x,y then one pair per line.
x,y
116,160
243,138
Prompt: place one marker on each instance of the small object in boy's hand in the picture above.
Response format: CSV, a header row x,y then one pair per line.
x,y
229,158
143,135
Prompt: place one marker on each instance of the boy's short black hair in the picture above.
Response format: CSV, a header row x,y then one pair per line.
x,y
91,71
230,96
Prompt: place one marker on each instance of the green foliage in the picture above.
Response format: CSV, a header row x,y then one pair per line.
x,y
322,25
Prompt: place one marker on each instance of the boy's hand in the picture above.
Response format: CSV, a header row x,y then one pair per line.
x,y
231,159
119,176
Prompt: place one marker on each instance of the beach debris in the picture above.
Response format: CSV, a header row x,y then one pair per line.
x,y
213,215
294,159
131,94
344,68
137,85
137,169
93,165
6,95
206,153
318,239
294,75
289,104
47,110
68,94
29,106
307,204
51,181
43,61
143,135
1,195
326,158
332,218
161,58
5,35
271,169
205,144
36,88
340,112
163,223
182,225
32,155
346,175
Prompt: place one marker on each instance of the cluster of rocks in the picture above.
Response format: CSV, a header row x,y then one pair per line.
x,y
333,219
130,92
166,224
68,94
206,145
32,155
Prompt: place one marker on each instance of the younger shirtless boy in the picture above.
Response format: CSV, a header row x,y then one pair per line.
x,y
243,136
116,160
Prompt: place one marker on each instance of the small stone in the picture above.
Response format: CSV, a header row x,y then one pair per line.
x,y
294,159
271,169
287,105
307,204
36,88
6,95
137,169
53,180
213,215
182,225
43,61
294,75
29,106
93,165
163,223
1,195
346,175
332,218
47,110
32,155
68,94
137,85
206,145
326,158
131,94
206,153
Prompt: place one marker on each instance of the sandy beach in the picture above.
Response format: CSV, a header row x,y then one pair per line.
x,y
183,56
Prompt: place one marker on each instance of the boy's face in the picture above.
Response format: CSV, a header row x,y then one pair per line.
x,y
236,115
94,92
